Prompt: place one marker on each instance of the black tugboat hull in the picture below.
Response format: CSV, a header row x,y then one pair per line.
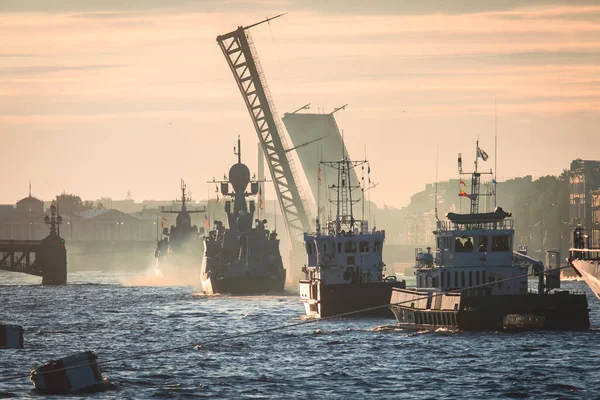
x,y
561,311
244,285
344,298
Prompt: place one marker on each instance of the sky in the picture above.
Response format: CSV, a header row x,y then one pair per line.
x,y
102,97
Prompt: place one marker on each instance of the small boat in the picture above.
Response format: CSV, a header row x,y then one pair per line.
x,y
181,247
475,281
344,270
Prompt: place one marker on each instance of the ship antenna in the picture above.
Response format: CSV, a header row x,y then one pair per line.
x,y
475,183
239,150
183,206
476,152
319,193
437,159
363,187
495,151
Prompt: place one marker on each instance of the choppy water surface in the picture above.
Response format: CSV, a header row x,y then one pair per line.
x,y
366,358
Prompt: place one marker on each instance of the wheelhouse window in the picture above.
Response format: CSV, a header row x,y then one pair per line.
x,y
377,247
482,243
500,243
309,248
350,247
463,244
364,247
339,247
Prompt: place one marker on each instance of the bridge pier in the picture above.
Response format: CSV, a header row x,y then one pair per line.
x,y
53,259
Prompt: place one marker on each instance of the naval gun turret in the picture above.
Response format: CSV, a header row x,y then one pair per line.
x,y
244,256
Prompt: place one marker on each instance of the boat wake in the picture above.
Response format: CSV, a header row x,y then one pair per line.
x,y
154,276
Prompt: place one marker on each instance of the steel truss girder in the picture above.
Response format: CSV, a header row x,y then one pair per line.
x,y
242,59
20,260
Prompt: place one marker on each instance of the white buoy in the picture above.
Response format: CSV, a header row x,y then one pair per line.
x,y
76,373
11,337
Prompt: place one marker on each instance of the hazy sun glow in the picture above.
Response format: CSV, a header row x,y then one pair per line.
x,y
98,102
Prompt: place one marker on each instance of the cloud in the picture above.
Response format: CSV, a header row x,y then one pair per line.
x,y
110,8
17,55
46,69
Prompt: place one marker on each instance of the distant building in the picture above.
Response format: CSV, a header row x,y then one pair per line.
x,y
23,222
584,177
30,205
107,225
595,209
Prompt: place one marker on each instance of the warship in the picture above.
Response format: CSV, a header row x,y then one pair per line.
x,y
475,281
181,245
242,258
585,259
344,270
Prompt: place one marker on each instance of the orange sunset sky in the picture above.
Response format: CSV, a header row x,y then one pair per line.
x,y
99,97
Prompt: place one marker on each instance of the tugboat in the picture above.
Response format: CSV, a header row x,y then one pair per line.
x,y
344,271
585,260
242,259
476,282
181,246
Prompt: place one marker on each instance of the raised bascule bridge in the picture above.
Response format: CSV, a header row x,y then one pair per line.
x,y
242,58
46,258
303,129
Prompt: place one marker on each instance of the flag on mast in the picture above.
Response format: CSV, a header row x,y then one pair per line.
x,y
464,194
206,221
260,200
482,154
463,182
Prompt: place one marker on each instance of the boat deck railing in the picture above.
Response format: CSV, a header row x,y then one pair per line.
x,y
585,254
453,226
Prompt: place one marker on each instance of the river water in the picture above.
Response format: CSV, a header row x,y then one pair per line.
x,y
119,314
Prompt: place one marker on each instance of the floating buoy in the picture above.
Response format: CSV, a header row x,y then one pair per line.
x,y
76,373
11,337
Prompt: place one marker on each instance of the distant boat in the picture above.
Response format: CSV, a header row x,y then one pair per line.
x,y
242,257
181,245
475,281
344,269
586,260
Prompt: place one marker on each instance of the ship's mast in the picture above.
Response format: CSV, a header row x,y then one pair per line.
x,y
475,184
183,198
475,180
344,220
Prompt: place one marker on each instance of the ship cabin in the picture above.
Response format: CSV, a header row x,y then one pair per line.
x,y
340,257
472,250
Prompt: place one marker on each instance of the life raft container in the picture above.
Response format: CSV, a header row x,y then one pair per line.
x,y
76,373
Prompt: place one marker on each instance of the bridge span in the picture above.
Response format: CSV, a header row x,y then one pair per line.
x,y
46,258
